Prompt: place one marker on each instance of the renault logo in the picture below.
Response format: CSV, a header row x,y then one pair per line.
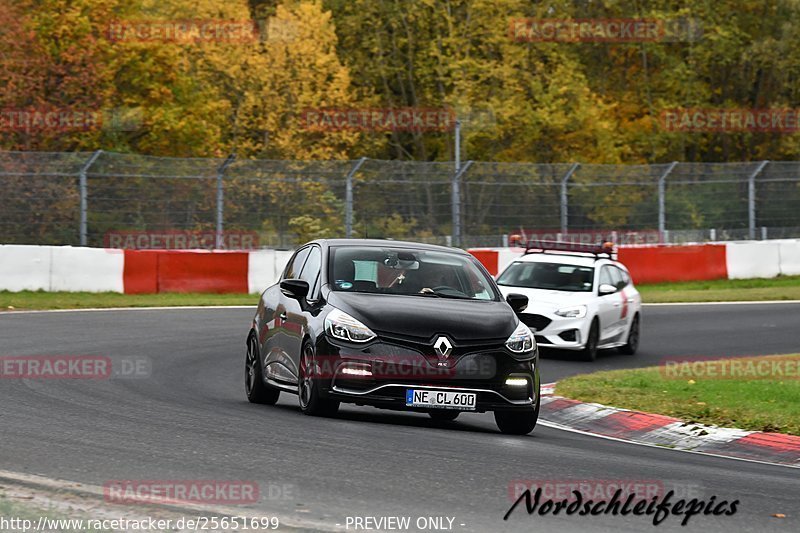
x,y
443,347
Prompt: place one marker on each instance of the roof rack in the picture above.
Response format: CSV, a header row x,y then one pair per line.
x,y
605,249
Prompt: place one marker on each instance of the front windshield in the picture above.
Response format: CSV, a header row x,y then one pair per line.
x,y
552,276
408,272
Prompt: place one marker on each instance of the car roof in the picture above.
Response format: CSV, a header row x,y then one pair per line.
x,y
565,259
383,243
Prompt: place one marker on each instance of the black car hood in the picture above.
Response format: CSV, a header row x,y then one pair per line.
x,y
422,317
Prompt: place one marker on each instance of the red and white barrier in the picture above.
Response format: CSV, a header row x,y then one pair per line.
x,y
74,269
655,264
25,268
264,267
753,260
694,262
66,268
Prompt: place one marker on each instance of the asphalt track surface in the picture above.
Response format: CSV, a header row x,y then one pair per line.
x,y
189,419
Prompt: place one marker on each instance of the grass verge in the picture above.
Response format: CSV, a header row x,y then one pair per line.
x,y
781,288
754,397
723,290
27,300
22,516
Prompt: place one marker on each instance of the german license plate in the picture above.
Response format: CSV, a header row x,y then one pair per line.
x,y
434,399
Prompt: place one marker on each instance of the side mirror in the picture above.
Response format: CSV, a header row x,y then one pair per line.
x,y
518,302
295,288
605,288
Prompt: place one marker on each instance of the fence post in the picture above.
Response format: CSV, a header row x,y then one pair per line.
x,y
565,199
662,193
348,198
751,200
84,192
456,190
221,200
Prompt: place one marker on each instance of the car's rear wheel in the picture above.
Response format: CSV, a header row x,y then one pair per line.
x,y
310,396
630,347
589,352
257,391
443,415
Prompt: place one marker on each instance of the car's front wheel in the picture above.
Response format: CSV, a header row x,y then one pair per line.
x,y
257,391
592,341
518,422
630,347
308,390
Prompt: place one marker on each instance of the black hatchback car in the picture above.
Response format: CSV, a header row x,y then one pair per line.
x,y
394,325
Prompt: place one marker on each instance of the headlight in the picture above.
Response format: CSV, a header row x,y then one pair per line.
x,y
578,311
342,326
521,341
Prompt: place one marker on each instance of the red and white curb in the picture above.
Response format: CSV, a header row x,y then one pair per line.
x,y
666,431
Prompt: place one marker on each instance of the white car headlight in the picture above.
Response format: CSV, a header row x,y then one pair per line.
x,y
521,341
342,326
577,311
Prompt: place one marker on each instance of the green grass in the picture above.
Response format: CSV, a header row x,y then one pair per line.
x,y
780,288
26,300
764,404
24,510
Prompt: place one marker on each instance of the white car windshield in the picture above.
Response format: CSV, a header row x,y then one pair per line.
x,y
408,272
552,276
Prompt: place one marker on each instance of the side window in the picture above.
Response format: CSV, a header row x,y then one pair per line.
x,y
310,273
605,276
625,278
296,264
616,277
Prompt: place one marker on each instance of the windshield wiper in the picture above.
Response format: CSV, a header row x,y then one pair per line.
x,y
443,295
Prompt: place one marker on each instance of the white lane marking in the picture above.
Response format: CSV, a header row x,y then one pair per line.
x,y
164,308
193,307
48,483
746,302
554,425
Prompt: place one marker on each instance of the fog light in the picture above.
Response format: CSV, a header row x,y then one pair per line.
x,y
571,335
352,371
516,382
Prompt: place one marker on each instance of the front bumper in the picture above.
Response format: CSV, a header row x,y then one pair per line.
x,y
392,396
553,331
396,366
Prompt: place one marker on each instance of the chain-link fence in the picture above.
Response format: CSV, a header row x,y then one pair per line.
x,y
103,199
